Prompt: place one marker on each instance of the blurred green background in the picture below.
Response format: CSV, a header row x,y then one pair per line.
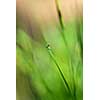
x,y
49,50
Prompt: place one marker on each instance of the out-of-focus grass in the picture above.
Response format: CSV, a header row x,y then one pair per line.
x,y
38,77
51,67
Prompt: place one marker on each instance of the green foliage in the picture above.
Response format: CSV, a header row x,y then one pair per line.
x,y
53,71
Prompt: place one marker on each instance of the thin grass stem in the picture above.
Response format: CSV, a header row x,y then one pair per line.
x,y
58,67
